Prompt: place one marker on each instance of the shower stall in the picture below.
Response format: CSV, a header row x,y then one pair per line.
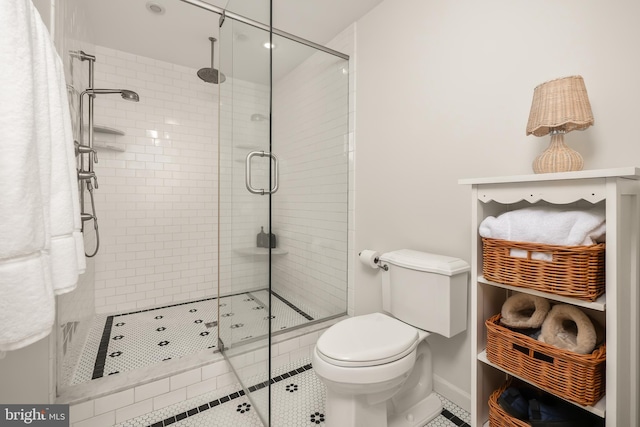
x,y
223,203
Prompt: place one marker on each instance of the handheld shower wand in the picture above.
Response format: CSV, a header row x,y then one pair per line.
x,y
86,176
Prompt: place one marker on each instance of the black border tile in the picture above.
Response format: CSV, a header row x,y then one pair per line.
x,y
454,418
101,357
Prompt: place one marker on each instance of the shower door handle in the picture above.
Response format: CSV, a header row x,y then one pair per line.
x,y
247,169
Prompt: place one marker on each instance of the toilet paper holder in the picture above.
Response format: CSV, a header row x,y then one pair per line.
x,y
376,260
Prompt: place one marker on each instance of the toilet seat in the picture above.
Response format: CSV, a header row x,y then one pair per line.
x,y
368,340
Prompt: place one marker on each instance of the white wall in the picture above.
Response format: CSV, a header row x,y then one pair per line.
x,y
45,7
26,375
444,91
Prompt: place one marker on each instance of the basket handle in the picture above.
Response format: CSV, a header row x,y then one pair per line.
x,y
536,354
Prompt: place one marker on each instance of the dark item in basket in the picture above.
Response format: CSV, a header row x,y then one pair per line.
x,y
515,402
541,409
518,404
553,412
533,333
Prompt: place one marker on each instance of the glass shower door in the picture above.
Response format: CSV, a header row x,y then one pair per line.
x,y
309,213
284,167
244,216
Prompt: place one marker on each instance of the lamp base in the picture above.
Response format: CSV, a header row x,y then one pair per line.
x,y
558,157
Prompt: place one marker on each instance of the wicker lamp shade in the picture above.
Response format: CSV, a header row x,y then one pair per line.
x,y
559,106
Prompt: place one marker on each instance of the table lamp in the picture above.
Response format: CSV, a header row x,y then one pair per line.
x,y
559,106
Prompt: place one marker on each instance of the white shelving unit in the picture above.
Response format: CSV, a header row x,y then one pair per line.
x,y
619,190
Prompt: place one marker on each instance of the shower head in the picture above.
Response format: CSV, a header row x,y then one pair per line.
x,y
211,75
257,117
128,95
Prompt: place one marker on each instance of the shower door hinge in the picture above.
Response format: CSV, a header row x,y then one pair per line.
x,y
222,18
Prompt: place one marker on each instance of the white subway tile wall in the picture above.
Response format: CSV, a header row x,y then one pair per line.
x,y
157,200
310,210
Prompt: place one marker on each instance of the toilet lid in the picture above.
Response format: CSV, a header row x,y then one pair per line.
x,y
371,339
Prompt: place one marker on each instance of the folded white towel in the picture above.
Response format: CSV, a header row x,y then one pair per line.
x,y
548,225
27,303
39,210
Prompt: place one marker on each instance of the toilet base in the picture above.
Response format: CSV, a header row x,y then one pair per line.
x,y
419,414
354,411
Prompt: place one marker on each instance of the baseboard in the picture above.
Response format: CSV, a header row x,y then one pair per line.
x,y
453,393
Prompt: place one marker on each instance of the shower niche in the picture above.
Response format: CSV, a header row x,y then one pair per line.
x,y
106,138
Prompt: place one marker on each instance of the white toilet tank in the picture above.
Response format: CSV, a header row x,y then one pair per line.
x,y
426,290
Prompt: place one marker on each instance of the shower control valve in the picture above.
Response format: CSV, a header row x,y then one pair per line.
x,y
85,149
88,176
86,216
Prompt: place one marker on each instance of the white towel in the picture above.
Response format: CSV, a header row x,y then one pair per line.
x,y
547,225
65,203
39,210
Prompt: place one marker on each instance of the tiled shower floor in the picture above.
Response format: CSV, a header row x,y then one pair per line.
x,y
298,399
128,341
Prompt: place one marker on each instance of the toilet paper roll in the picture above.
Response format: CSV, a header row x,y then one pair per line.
x,y
370,258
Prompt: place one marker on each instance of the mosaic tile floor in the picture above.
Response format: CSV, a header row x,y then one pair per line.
x,y
128,341
298,399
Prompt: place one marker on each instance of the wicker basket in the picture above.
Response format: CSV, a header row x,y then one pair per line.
x,y
576,377
498,417
574,271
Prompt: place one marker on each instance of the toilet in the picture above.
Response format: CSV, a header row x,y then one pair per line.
x,y
377,367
